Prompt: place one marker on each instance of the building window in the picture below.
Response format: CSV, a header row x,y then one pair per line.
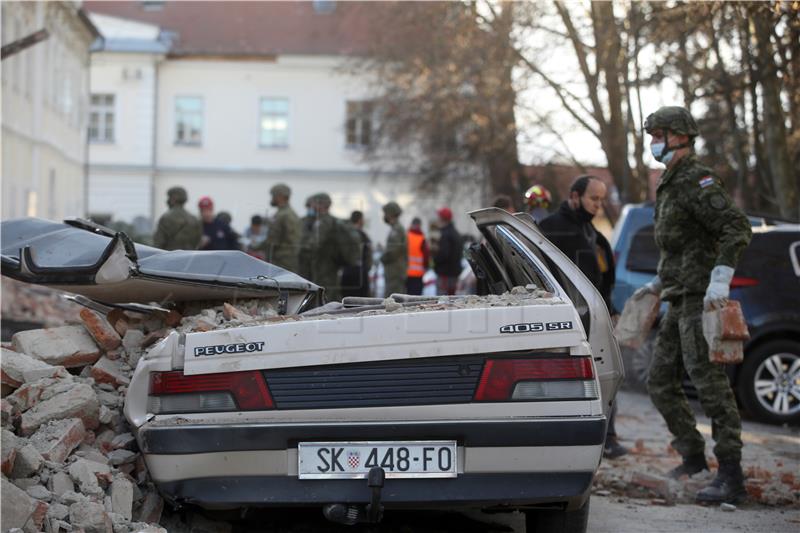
x,y
101,118
189,120
274,122
359,124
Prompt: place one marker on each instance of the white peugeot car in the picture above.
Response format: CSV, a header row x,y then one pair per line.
x,y
498,401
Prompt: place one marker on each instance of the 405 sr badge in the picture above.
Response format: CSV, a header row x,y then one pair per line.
x,y
535,327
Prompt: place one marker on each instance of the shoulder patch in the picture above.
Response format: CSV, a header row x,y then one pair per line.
x,y
718,201
706,181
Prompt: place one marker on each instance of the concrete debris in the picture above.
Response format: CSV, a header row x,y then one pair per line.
x,y
60,484
121,457
35,304
58,438
132,342
27,462
107,371
101,331
91,517
8,450
79,402
20,510
122,497
86,475
727,507
19,368
68,346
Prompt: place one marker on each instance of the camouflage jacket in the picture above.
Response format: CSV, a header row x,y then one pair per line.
x,y
697,227
177,230
282,246
324,254
395,259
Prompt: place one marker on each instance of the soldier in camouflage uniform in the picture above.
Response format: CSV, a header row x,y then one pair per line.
x,y
177,228
306,227
323,248
395,257
701,235
282,245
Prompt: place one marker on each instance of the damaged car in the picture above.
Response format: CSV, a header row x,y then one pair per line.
x,y
497,401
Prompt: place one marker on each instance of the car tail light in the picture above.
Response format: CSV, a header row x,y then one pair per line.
x,y
563,378
741,281
174,392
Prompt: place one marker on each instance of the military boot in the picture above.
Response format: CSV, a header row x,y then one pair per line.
x,y
691,465
727,487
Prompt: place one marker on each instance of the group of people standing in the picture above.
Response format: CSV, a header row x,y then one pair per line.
x,y
335,254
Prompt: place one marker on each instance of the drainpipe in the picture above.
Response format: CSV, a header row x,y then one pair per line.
x,y
154,149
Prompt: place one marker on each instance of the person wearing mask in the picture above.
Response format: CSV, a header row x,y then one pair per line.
x,y
572,231
447,260
306,228
394,258
701,235
217,234
355,278
177,228
418,257
282,245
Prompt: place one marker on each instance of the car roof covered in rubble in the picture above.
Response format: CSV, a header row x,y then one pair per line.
x,y
82,257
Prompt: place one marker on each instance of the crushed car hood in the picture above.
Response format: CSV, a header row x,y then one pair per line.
x,y
81,257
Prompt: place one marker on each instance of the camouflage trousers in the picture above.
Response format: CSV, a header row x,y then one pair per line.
x,y
680,345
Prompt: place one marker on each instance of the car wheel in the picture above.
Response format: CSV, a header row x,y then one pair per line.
x,y
557,521
637,364
769,382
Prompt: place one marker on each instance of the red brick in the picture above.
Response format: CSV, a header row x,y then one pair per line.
x,y
118,321
173,319
39,514
101,331
108,371
659,485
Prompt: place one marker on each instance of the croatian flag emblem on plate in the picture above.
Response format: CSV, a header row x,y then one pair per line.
x,y
706,182
353,459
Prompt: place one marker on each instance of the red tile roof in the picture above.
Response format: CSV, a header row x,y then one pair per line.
x,y
225,28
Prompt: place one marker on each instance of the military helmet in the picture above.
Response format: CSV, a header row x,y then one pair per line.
x,y
281,189
177,194
321,198
392,209
672,118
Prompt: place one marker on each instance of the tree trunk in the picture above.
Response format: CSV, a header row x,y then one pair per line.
x,y
775,135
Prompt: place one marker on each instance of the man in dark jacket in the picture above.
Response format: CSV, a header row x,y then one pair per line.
x,y
447,261
217,233
571,229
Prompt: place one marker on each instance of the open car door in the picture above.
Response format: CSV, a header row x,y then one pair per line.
x,y
523,255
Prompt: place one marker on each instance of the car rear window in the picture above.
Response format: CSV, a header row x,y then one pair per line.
x,y
643,254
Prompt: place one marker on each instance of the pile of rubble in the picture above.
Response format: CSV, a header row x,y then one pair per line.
x,y
36,304
642,475
69,460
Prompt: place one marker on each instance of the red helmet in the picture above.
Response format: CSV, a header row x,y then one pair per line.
x,y
538,196
205,203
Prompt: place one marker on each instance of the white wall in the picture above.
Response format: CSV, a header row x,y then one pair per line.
x,y
44,102
231,92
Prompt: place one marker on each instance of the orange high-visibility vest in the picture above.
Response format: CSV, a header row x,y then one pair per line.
x,y
416,257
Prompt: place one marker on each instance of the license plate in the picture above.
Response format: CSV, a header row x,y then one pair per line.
x,y
353,460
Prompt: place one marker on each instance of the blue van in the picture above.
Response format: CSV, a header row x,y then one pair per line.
x,y
766,283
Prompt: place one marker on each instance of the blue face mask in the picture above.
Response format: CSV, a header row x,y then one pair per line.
x,y
310,212
659,154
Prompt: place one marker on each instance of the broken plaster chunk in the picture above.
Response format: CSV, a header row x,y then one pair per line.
x,y
91,517
68,346
28,462
78,402
110,372
19,368
58,438
122,497
85,474
60,484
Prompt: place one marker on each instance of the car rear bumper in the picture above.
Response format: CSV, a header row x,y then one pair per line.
x,y
507,489
515,462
